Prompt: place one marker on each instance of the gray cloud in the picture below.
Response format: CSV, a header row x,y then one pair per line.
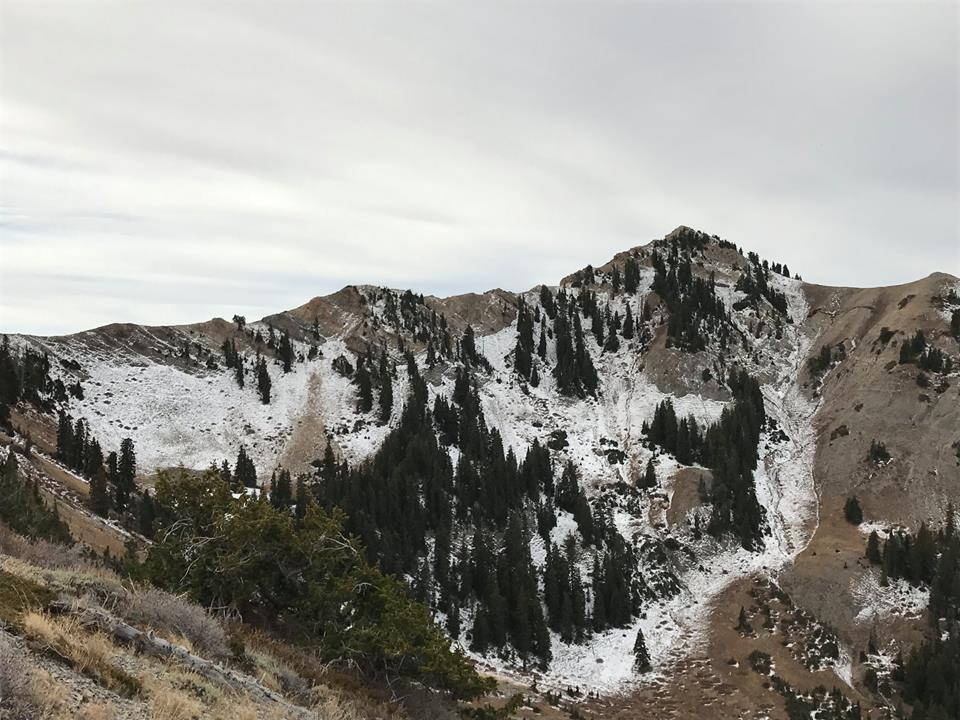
x,y
166,162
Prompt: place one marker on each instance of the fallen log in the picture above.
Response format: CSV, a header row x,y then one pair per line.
x,y
148,643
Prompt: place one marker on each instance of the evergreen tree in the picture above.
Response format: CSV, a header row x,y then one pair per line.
x,y
547,301
99,497
79,446
285,351
146,515
631,275
523,352
302,500
308,577
542,343
628,324
613,341
23,507
64,438
873,548
649,480
125,485
244,472
364,387
641,658
281,492
386,390
263,381
852,511
9,381
93,459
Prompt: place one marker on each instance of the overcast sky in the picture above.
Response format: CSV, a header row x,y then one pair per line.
x,y
168,162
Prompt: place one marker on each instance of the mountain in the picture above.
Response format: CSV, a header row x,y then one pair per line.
x,y
647,447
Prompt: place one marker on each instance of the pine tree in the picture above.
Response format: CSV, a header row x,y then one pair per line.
x,y
743,625
244,472
10,390
613,341
542,343
225,473
649,480
64,438
238,372
873,548
112,470
641,658
386,390
23,508
684,450
93,458
852,511
302,501
99,497
281,493
125,485
628,324
364,388
146,515
263,381
285,351
631,276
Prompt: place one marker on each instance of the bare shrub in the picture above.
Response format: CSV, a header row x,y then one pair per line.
x,y
171,704
171,614
42,552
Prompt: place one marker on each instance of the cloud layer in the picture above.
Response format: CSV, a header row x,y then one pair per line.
x,y
168,162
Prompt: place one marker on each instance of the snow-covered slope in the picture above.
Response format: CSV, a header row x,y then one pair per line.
x,y
168,389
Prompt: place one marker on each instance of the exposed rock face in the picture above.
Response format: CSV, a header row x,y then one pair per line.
x,y
877,398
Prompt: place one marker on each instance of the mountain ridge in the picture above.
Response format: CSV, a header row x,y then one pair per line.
x,y
818,352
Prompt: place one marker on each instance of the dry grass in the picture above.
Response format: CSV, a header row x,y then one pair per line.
x,y
18,595
171,704
335,706
176,694
93,579
100,711
89,653
27,693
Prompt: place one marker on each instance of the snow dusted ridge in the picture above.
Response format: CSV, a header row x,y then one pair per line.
x,y
175,416
194,416
181,413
